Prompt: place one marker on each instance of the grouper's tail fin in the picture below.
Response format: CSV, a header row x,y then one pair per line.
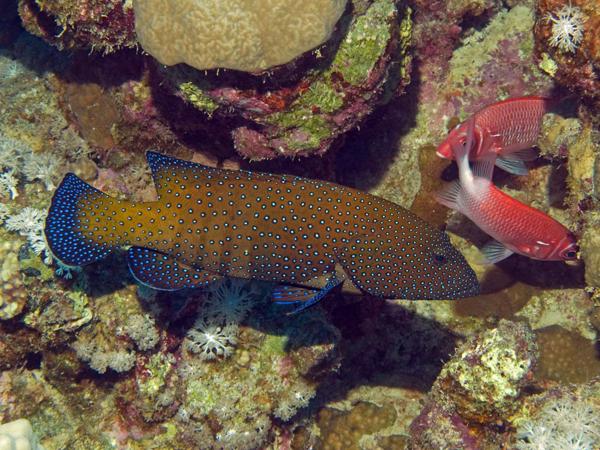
x,y
76,228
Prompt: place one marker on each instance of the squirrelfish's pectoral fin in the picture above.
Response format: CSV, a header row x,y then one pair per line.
x,y
526,154
494,252
163,272
450,196
514,166
301,297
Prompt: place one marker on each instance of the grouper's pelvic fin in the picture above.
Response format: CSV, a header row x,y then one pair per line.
x,y
163,272
302,298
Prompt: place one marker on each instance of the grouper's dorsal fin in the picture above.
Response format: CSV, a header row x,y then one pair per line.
x,y
172,176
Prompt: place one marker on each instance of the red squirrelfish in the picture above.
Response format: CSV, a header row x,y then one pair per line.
x,y
504,131
516,227
308,235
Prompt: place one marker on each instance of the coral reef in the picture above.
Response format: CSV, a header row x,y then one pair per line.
x,y
102,26
567,308
301,112
251,37
566,45
95,362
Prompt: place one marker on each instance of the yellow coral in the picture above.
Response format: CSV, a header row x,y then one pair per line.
x,y
248,35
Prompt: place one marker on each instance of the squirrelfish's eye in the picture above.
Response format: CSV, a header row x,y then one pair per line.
x,y
439,259
571,253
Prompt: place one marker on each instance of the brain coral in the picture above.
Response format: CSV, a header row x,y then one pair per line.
x,y
247,35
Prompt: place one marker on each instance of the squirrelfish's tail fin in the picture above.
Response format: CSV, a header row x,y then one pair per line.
x,y
76,229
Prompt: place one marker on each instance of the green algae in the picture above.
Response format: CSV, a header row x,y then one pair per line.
x,y
194,93
156,371
548,65
324,96
33,261
359,52
200,397
365,43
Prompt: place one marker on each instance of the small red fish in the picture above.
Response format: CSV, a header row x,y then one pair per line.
x,y
516,227
504,130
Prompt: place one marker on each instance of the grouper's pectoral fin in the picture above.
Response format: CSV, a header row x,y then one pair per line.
x,y
160,271
303,298
360,270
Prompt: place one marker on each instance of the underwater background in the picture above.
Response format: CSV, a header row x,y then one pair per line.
x,y
357,92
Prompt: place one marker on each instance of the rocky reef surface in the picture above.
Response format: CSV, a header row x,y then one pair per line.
x,y
93,361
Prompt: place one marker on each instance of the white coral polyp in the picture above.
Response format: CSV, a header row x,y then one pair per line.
x,y
567,28
29,222
211,340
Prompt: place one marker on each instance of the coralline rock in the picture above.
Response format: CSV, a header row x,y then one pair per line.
x,y
590,249
241,35
439,428
93,25
557,135
487,373
569,308
480,386
583,158
567,44
301,108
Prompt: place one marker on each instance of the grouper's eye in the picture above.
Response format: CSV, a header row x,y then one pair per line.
x,y
439,259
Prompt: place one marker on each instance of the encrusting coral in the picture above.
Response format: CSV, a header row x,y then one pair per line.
x,y
248,36
18,435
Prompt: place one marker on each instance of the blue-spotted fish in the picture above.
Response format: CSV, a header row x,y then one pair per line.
x,y
309,236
